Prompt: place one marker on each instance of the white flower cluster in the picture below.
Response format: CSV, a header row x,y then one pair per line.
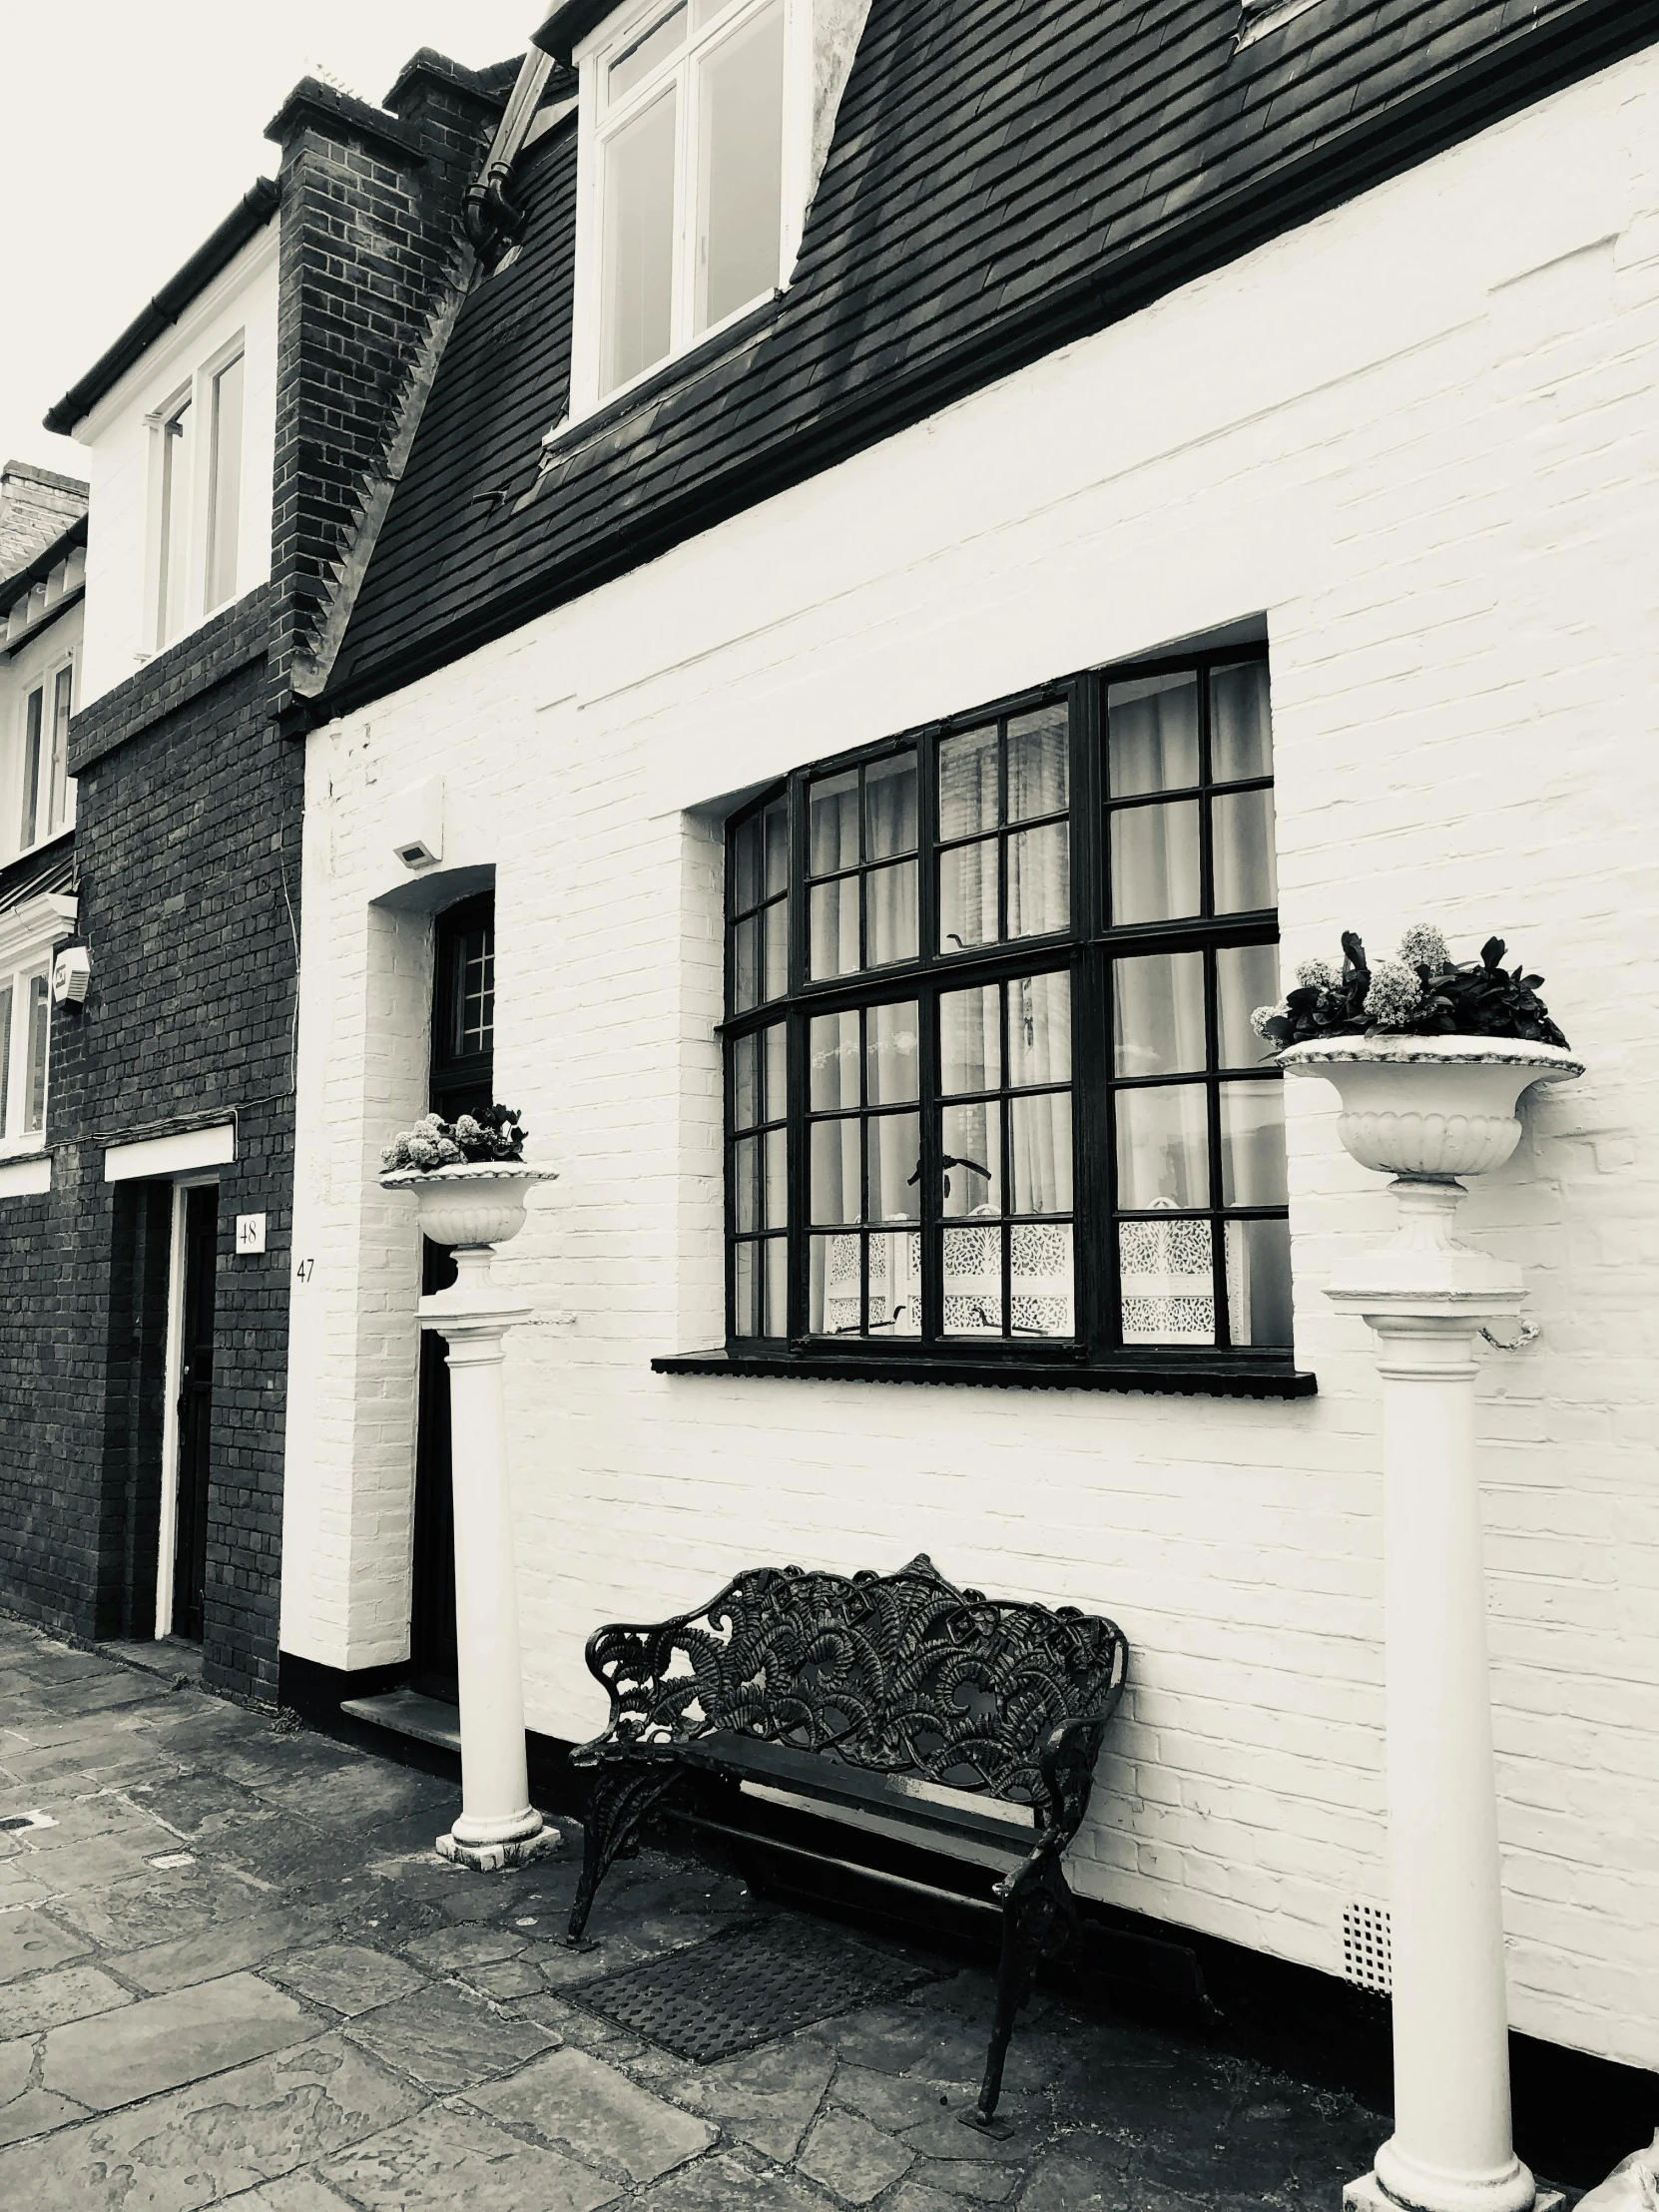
x,y
1318,975
1262,1016
1423,946
427,1145
1396,994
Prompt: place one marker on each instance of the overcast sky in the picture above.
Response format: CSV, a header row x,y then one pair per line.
x,y
131,131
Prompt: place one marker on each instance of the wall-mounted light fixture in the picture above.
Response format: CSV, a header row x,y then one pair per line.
x,y
417,824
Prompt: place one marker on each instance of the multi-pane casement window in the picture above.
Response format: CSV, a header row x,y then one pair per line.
x,y
25,1032
992,1089
685,139
195,499
45,793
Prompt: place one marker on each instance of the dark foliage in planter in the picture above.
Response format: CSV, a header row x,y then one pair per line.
x,y
1425,993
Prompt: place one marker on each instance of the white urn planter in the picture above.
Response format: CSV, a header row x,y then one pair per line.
x,y
1428,1110
474,1208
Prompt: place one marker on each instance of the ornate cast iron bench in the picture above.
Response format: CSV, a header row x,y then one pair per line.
x,y
898,1696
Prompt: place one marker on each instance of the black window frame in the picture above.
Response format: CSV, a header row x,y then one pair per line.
x,y
461,1082
1086,950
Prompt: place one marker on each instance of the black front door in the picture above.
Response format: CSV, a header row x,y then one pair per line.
x,y
462,1080
195,1409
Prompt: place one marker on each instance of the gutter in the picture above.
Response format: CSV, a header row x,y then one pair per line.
x,y
245,219
491,214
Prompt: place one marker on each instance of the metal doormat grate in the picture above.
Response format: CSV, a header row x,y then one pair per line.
x,y
751,1985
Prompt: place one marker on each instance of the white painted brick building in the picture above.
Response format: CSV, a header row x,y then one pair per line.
x,y
1413,442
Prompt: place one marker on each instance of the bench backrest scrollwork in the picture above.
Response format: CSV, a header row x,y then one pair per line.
x,y
901,1674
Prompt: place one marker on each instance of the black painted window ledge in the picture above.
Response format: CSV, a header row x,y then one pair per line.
x,y
1186,1378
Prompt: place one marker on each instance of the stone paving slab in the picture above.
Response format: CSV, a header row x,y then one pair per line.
x,y
235,1972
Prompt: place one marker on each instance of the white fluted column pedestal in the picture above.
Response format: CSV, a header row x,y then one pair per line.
x,y
1426,1296
498,1826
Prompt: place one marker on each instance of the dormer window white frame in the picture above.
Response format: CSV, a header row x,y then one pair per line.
x,y
694,152
195,482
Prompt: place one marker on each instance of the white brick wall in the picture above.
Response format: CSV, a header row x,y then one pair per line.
x,y
1419,435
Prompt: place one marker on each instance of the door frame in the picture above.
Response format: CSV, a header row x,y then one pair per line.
x,y
167,1535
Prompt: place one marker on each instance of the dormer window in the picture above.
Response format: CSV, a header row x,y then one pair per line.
x,y
690,136
195,498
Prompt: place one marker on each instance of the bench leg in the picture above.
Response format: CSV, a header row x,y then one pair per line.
x,y
620,1800
1039,1919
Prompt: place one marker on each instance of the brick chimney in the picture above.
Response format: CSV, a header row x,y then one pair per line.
x,y
372,266
35,507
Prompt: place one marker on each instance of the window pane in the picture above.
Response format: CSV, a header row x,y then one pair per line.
x,y
740,194
970,1047
32,718
776,832
1241,734
62,685
1252,1144
1040,1128
746,1184
657,41
1154,862
895,1167
893,1044
1246,877
1167,1282
891,914
967,896
746,864
7,1113
174,570
40,1027
832,1063
777,1071
834,950
1039,880
745,965
1246,977
638,241
1043,1280
967,782
834,1286
972,1160
746,1096
1152,734
743,1298
1039,763
891,807
832,823
837,1196
1258,1282
1162,1147
974,1282
1158,1014
1039,1029
777,927
776,1321
777,1179
225,484
896,1284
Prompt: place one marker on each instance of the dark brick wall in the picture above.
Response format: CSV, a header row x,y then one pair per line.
x,y
189,830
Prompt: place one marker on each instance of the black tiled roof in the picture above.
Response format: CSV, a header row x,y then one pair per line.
x,y
1006,175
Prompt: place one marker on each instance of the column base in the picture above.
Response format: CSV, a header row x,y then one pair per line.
x,y
516,1851
1369,2195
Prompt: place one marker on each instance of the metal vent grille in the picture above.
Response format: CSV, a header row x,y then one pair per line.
x,y
752,1985
1367,1947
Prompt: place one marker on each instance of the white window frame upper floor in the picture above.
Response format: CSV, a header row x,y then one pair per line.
x,y
713,28
188,578
26,937
38,790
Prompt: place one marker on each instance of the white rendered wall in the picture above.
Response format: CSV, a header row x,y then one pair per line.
x,y
118,439
1419,436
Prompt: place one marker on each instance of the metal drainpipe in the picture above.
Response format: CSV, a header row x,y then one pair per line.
x,y
489,213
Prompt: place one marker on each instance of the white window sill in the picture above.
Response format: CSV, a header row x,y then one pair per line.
x,y
25,1175
570,430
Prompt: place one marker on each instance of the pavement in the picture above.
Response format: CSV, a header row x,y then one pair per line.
x,y
232,1970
